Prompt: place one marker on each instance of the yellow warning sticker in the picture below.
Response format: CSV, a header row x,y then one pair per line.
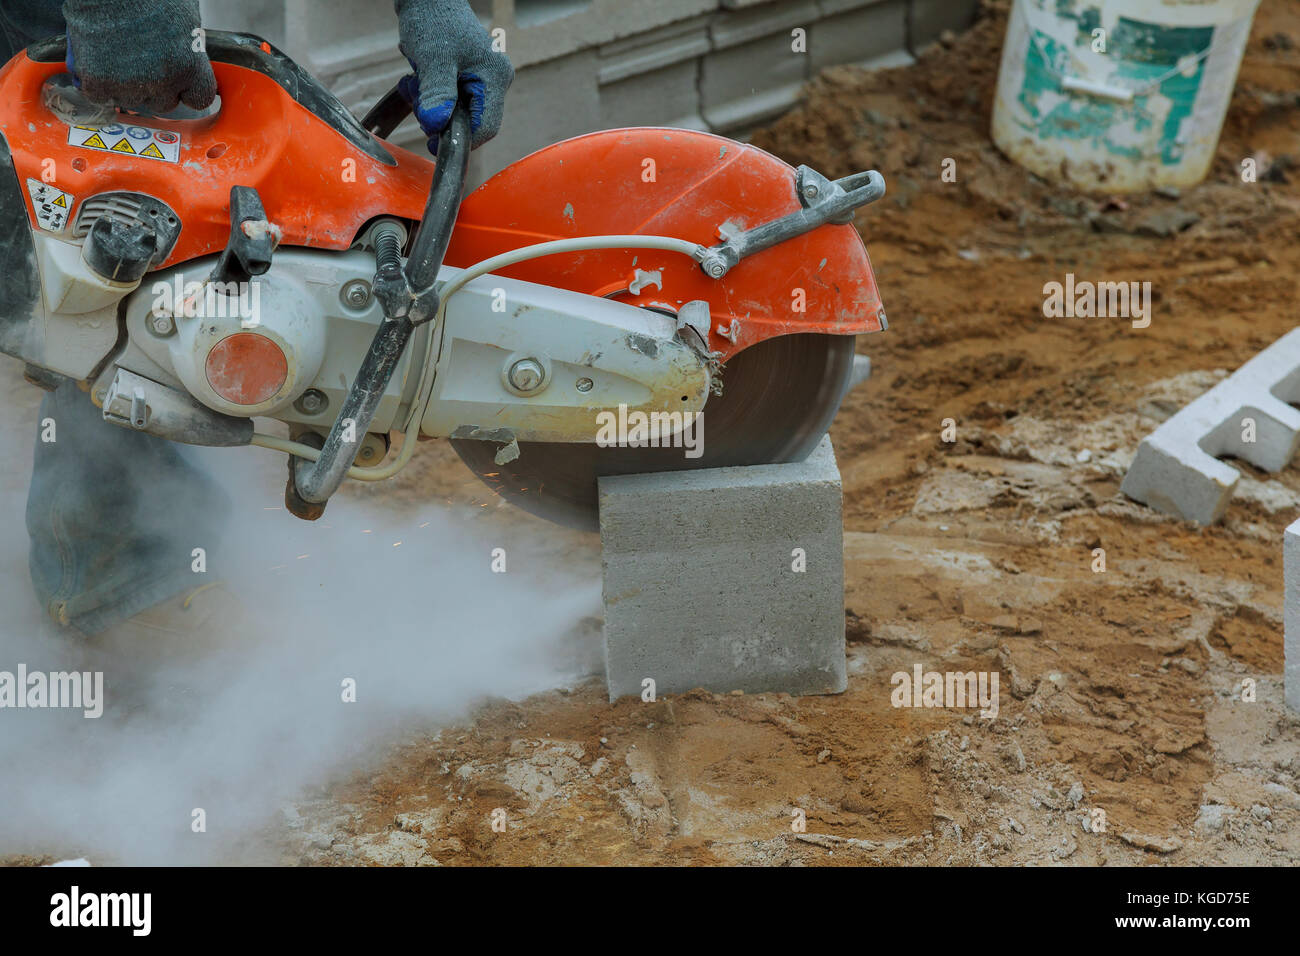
x,y
128,140
51,204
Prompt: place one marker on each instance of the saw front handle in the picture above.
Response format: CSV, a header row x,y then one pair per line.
x,y
408,298
824,201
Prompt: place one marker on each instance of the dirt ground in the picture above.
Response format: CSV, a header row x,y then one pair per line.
x,y
1122,690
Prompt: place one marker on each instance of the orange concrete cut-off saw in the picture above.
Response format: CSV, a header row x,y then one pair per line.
x,y
274,258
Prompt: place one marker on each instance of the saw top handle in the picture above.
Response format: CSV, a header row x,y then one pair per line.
x,y
387,114
440,212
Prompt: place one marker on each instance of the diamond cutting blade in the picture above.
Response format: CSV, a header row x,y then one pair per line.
x,y
778,400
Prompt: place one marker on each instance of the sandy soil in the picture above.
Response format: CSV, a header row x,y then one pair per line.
x,y
1122,691
1125,687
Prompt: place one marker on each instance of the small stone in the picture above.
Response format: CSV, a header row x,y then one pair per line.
x,y
1066,850
824,756
1152,844
1052,798
1212,817
1014,756
1083,457
1075,794
1015,825
1164,223
1260,812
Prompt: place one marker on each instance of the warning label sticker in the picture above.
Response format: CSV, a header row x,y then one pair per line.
x,y
53,206
143,141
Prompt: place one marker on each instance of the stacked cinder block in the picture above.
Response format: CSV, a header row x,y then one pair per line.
x,y
583,65
1291,615
1176,469
725,578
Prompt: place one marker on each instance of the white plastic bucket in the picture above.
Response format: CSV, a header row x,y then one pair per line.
x,y
1118,95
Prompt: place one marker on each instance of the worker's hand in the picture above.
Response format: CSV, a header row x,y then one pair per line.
x,y
450,50
139,56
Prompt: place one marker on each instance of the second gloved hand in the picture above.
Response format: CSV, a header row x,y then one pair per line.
x,y
450,50
138,55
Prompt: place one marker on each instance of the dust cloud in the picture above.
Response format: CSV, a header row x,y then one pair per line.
x,y
243,718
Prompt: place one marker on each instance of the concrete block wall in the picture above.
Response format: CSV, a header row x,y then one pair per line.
x,y
583,65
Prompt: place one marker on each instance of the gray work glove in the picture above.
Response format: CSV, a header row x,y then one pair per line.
x,y
139,54
450,51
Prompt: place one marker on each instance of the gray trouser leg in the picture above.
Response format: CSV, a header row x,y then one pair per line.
x,y
114,516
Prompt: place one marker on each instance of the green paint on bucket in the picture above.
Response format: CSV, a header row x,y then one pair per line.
x,y
1117,100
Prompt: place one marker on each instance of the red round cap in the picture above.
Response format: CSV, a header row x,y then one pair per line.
x,y
247,368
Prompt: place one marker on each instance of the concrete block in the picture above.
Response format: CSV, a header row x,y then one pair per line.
x,y
737,27
1176,469
929,18
753,74
652,51
664,97
861,372
331,36
860,35
263,17
652,79
1291,615
541,30
700,588
548,102
830,8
